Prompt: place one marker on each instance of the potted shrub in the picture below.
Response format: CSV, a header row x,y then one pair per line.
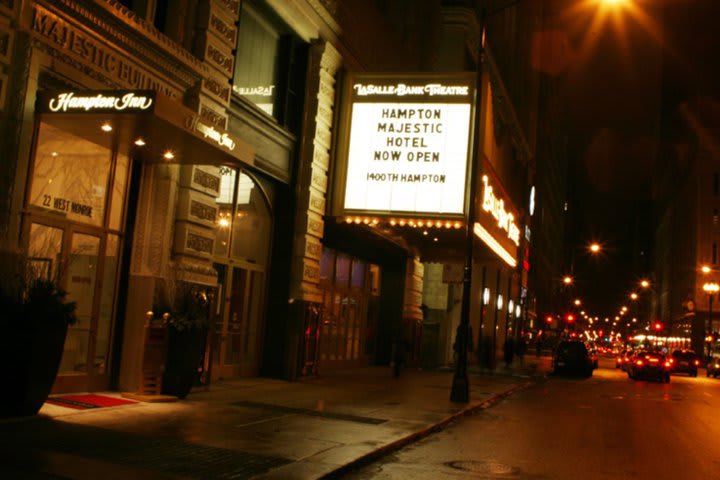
x,y
186,307
35,319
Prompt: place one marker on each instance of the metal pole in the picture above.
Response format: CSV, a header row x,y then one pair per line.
x,y
709,330
460,387
482,317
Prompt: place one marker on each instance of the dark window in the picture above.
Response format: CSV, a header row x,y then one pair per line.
x,y
716,183
270,65
161,15
715,217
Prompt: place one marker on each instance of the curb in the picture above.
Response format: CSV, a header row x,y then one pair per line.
x,y
420,434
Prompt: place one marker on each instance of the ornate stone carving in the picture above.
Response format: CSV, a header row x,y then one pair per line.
x,y
213,117
86,49
314,163
203,211
218,89
206,180
199,243
232,5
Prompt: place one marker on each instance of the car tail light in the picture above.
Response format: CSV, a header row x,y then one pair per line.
x,y
671,361
667,364
697,362
639,363
653,360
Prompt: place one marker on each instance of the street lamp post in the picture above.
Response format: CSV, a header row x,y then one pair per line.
x,y
460,391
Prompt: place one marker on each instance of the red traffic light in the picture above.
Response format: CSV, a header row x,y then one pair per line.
x,y
657,326
571,317
549,319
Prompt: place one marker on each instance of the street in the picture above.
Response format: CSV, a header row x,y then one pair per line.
x,y
605,427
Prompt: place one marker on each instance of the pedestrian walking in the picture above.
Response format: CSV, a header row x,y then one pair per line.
x,y
508,351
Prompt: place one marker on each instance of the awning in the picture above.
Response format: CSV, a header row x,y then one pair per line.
x,y
165,130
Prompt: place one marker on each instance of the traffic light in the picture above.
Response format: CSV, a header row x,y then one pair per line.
x,y
549,319
657,326
570,318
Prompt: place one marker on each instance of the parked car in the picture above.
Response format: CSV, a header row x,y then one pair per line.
x,y
594,354
713,367
649,365
620,358
572,356
626,358
684,361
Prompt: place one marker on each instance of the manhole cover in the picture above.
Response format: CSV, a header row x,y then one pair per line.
x,y
486,468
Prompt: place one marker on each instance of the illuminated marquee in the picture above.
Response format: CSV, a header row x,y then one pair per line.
x,y
496,207
408,144
496,222
96,101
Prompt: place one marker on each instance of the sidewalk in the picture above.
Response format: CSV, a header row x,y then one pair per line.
x,y
251,428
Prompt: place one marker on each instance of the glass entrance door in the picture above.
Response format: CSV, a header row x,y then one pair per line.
x,y
237,350
86,264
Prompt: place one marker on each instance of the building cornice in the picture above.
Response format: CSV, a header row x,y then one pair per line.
x,y
123,29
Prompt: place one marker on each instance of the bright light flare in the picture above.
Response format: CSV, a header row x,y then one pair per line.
x,y
620,16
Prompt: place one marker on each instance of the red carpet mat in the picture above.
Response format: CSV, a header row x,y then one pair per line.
x,y
84,402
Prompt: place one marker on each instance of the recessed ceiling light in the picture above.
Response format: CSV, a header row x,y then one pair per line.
x,y
140,142
106,127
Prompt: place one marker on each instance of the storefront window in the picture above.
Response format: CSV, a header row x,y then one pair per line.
x,y
342,270
251,223
70,176
326,265
256,63
44,250
225,201
270,65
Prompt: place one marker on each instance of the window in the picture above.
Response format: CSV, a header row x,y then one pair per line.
x,y
270,65
244,222
70,178
715,217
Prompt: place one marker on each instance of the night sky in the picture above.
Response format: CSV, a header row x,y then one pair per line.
x,y
627,70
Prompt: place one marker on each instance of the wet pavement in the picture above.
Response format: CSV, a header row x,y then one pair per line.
x,y
251,428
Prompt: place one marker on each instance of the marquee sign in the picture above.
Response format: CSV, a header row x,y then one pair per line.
x,y
497,220
95,101
407,144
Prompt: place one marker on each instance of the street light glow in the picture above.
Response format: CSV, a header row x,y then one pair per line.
x,y
567,280
633,296
644,284
705,269
577,301
595,248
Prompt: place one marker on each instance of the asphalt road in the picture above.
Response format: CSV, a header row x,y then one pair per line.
x,y
604,427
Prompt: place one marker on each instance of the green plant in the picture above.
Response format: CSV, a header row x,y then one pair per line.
x,y
185,304
28,299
